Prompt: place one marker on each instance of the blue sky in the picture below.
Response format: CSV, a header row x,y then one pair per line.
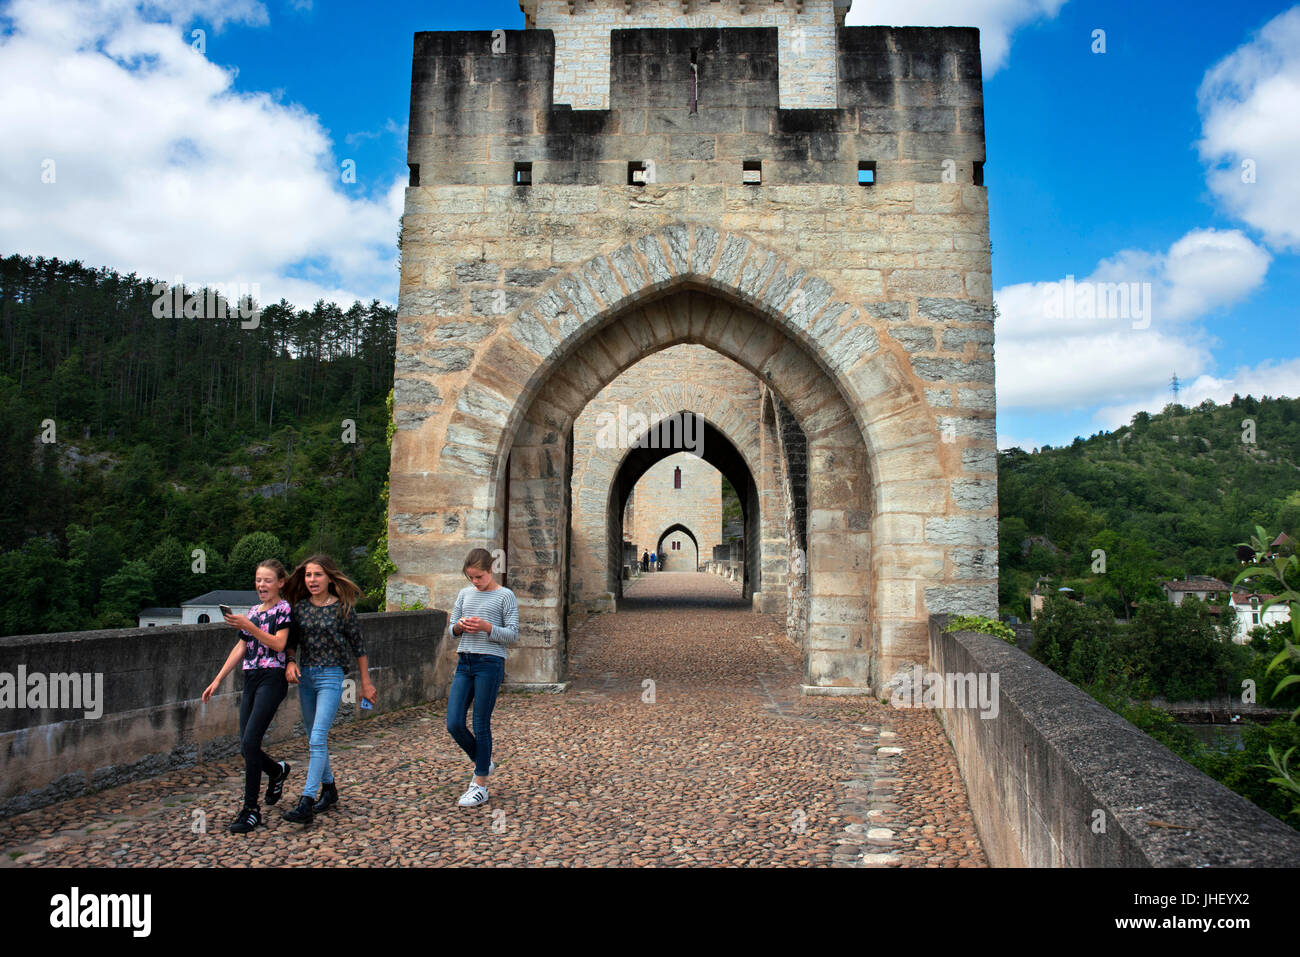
x,y
1099,165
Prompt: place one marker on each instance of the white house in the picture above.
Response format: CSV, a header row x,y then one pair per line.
x,y
1250,613
206,608
1202,587
158,617
199,611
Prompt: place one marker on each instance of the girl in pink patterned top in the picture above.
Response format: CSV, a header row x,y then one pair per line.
x,y
263,633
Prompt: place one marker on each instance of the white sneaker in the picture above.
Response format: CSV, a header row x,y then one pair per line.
x,y
492,766
476,795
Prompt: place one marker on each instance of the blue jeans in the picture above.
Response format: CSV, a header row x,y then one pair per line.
x,y
478,679
319,692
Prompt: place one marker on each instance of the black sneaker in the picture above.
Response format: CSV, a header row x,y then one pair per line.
x,y
275,787
249,818
329,796
303,813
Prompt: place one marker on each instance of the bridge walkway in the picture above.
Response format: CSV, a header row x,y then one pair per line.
x,y
682,740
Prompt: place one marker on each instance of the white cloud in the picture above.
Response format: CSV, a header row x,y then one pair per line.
x,y
997,19
1076,343
1076,372
1249,103
161,167
1274,378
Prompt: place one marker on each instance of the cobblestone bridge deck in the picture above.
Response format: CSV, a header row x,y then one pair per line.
x,y
728,766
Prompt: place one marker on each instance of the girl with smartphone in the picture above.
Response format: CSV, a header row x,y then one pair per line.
x,y
263,634
486,619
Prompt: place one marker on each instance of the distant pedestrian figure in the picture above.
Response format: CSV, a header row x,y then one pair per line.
x,y
654,557
645,561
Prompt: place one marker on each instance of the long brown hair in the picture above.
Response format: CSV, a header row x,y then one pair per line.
x,y
343,588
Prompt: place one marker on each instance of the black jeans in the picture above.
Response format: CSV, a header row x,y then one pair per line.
x,y
264,689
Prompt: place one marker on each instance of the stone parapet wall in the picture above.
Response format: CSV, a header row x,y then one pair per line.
x,y
907,99
1058,780
153,718
732,571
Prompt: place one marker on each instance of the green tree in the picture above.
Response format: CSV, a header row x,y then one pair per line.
x,y
125,592
1061,625
37,594
1179,652
248,551
1288,514
207,570
1129,566
93,554
1012,533
170,565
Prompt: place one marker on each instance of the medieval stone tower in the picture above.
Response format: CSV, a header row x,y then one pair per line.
x,y
626,178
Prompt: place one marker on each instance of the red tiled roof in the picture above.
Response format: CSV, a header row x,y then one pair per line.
x,y
1243,598
1203,584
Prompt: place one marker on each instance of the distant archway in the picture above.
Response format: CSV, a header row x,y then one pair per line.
x,y
596,571
678,527
718,450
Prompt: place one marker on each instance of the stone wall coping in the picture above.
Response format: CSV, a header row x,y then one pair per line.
x,y
1121,770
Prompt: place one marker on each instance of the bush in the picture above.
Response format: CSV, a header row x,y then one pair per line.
x,y
983,625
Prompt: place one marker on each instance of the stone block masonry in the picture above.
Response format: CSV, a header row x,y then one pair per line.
x,y
1058,780
907,100
548,249
806,55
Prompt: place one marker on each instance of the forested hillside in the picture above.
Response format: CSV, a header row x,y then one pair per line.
x,y
131,440
1170,495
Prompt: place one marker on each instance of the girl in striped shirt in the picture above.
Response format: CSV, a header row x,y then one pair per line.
x,y
486,619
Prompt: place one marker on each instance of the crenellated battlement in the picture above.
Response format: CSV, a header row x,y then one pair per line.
x,y
805,40
695,106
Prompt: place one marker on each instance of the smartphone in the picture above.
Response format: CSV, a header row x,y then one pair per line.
x,y
225,609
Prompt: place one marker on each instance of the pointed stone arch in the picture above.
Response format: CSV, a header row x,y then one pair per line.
x,y
896,528
596,481
677,527
850,343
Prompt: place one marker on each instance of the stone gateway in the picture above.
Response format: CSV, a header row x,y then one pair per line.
x,y
803,199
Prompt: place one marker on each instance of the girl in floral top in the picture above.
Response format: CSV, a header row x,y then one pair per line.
x,y
324,635
263,634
